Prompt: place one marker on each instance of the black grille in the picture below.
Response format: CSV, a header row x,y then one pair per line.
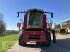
x,y
34,37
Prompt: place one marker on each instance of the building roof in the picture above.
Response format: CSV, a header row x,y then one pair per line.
x,y
66,21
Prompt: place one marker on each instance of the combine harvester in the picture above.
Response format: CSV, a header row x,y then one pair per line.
x,y
36,28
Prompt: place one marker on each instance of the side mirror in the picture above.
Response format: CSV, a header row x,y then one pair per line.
x,y
17,14
51,15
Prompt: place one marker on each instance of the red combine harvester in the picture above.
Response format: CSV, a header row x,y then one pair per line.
x,y
35,28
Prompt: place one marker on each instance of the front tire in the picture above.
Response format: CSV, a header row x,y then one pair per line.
x,y
21,42
48,39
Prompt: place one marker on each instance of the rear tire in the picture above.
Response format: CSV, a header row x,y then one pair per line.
x,y
48,39
54,37
21,42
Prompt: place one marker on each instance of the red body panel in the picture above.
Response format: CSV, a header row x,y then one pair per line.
x,y
25,22
35,31
44,21
27,33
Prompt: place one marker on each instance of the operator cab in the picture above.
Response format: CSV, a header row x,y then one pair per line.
x,y
34,18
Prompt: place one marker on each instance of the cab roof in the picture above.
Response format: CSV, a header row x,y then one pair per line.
x,y
36,10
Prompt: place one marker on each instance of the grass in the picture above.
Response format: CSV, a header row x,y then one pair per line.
x,y
7,41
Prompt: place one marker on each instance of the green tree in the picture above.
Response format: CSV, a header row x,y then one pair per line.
x,y
2,24
57,28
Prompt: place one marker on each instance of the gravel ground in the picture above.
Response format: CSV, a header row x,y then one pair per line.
x,y
62,45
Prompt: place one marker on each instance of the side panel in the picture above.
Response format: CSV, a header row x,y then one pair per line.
x,y
25,20
44,21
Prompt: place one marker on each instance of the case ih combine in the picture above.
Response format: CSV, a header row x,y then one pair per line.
x,y
36,28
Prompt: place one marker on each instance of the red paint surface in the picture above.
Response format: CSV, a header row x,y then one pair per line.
x,y
27,33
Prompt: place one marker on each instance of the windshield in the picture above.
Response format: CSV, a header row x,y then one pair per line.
x,y
35,19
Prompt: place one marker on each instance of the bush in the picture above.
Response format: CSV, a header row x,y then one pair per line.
x,y
57,30
11,31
